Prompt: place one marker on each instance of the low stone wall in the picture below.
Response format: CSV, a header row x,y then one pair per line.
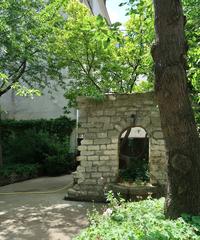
x,y
101,124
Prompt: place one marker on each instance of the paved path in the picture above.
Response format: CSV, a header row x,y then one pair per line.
x,y
42,216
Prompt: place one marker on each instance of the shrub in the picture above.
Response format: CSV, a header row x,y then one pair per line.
x,y
138,171
142,220
59,127
23,170
59,161
33,147
30,147
58,164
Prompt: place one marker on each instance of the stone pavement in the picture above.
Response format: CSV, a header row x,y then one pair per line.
x,y
41,216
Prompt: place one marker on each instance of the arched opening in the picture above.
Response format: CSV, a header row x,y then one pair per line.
x,y
134,155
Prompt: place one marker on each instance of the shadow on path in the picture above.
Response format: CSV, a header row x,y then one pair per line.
x,y
41,217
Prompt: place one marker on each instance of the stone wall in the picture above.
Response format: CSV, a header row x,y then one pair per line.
x,y
101,124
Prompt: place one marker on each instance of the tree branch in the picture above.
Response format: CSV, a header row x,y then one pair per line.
x,y
21,70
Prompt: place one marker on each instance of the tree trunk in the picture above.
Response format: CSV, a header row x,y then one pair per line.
x,y
1,153
177,118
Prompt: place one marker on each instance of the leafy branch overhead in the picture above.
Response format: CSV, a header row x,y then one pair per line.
x,y
40,40
27,65
102,58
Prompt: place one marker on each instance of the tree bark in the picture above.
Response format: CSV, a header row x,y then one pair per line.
x,y
1,153
177,118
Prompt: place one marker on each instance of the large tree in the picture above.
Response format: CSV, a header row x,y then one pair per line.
x,y
102,58
177,118
26,28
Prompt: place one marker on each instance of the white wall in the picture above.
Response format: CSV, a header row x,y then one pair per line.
x,y
99,7
46,106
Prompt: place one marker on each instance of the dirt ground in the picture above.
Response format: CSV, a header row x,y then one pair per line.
x,y
27,216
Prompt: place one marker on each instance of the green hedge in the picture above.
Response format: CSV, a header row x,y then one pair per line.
x,y
59,127
43,143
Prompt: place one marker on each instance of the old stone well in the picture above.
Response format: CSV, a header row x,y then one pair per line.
x,y
102,127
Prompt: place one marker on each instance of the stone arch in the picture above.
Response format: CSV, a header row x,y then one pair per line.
x,y
102,123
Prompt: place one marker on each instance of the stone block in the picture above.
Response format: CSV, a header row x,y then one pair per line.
x,y
155,121
110,152
108,126
115,119
104,169
158,135
111,163
99,153
112,97
100,119
80,169
114,157
112,146
157,141
120,127
93,147
158,148
114,169
113,133
96,163
86,164
109,174
91,169
109,112
115,140
104,158
83,114
81,158
99,113
81,180
93,158
86,142
90,135
102,135
102,141
82,148
130,111
96,175
87,153
94,130
155,113
90,181
103,147
82,130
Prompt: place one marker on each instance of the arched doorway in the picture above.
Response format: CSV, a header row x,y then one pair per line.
x,y
134,155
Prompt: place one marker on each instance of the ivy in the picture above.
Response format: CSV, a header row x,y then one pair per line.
x,y
60,127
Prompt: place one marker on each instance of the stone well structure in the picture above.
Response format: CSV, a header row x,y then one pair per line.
x,y
101,124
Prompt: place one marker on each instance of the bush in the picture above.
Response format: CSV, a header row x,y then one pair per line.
x,y
60,127
142,220
22,170
58,165
33,147
29,147
136,171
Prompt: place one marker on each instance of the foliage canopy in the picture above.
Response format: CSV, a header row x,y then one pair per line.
x,y
27,64
39,39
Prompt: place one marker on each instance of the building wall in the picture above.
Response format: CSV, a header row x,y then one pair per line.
x,y
101,127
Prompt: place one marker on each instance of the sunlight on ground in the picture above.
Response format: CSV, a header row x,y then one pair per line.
x,y
56,222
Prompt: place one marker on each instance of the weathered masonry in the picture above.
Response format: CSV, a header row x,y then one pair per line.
x,y
101,125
